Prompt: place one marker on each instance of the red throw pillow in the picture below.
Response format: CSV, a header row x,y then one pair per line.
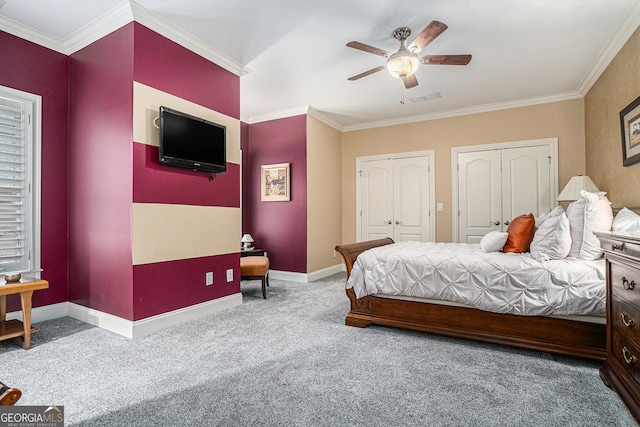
x,y
520,233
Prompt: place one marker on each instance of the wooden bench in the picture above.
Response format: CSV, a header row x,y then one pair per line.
x,y
255,268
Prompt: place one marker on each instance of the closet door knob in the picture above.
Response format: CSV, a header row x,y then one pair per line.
x,y
388,222
496,223
506,223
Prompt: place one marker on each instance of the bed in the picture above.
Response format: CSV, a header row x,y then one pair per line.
x,y
567,331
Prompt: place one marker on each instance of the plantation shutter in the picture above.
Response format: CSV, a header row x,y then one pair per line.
x,y
15,205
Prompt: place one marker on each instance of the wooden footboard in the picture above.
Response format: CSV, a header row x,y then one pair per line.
x,y
573,338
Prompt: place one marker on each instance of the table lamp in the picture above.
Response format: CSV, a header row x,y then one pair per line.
x,y
246,240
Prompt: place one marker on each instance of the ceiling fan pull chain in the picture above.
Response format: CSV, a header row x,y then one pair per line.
x,y
402,94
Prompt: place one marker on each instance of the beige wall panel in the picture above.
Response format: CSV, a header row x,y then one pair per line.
x,y
147,101
616,88
324,199
163,232
564,120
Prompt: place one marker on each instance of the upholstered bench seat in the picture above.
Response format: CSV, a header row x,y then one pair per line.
x,y
254,268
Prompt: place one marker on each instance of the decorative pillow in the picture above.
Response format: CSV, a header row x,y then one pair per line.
x,y
520,234
555,212
493,241
626,221
552,240
592,212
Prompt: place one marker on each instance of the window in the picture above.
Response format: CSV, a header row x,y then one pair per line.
x,y
19,181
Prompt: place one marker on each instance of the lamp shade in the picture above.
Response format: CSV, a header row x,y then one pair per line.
x,y
571,191
247,239
402,64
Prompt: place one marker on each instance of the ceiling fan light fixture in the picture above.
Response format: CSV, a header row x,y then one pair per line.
x,y
402,64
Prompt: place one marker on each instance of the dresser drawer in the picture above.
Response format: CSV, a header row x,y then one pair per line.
x,y
615,244
626,317
625,281
626,352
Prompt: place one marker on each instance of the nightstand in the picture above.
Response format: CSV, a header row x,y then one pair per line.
x,y
621,369
253,252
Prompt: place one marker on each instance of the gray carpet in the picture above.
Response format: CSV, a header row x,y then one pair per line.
x,y
290,361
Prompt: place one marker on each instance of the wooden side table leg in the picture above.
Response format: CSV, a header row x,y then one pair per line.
x,y
3,308
25,298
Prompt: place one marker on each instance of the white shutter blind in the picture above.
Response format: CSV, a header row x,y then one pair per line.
x,y
14,185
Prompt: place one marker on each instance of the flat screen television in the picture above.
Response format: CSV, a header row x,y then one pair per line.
x,y
192,142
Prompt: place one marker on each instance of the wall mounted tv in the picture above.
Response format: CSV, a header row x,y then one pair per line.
x,y
191,142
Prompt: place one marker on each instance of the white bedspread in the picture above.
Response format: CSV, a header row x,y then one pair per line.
x,y
495,281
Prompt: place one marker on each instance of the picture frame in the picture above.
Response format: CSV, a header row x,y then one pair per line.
x,y
630,127
275,182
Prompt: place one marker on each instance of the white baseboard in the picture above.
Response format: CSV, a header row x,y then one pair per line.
x,y
305,277
40,314
325,272
126,327
162,321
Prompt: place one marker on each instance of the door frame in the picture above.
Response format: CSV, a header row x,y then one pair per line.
x,y
430,154
552,143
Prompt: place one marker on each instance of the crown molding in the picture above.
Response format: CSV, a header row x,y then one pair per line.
x,y
115,19
566,96
321,116
291,112
98,28
186,40
30,34
281,114
611,49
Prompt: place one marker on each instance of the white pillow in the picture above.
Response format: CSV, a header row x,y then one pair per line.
x,y
557,211
552,240
626,221
592,212
493,241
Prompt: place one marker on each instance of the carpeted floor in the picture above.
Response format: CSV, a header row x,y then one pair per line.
x,y
290,361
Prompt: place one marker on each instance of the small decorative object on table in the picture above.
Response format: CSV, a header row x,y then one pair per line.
x,y
12,277
247,240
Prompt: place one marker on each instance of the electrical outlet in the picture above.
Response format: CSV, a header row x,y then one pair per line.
x,y
335,254
209,278
230,275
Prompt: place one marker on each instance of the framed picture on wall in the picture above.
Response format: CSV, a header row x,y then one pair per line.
x,y
275,183
630,124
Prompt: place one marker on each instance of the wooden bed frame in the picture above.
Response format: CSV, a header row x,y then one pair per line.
x,y
568,337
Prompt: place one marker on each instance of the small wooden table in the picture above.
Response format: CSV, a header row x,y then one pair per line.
x,y
15,328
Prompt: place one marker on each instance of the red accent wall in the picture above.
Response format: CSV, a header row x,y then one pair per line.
x,y
157,183
32,68
100,159
166,286
162,63
280,227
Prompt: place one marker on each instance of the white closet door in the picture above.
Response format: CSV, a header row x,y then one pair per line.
x,y
526,182
411,198
496,185
377,199
479,194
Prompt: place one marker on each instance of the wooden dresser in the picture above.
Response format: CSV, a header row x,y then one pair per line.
x,y
621,369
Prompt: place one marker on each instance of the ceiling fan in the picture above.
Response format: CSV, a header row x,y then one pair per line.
x,y
404,63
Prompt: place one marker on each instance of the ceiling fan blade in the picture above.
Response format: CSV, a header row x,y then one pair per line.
x,y
366,73
410,81
445,59
429,34
367,48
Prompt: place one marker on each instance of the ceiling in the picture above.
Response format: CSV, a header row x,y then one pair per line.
x,y
292,57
